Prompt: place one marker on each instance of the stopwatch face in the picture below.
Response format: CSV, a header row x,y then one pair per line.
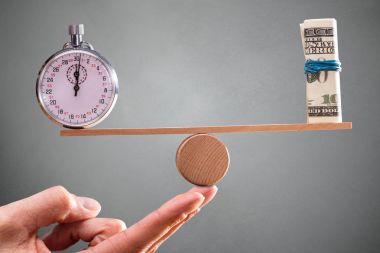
x,y
77,88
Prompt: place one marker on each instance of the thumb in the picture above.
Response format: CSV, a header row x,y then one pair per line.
x,y
53,205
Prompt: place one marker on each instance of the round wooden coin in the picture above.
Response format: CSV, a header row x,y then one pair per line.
x,y
202,159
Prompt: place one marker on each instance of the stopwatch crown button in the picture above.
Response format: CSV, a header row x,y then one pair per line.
x,y
76,29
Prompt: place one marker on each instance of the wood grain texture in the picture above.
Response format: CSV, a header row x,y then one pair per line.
x,y
209,129
202,159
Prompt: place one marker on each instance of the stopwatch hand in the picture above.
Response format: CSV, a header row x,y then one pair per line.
x,y
77,73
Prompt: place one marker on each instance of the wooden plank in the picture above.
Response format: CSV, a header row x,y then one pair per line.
x,y
208,129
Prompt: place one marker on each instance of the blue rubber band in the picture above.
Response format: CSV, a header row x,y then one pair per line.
x,y
315,66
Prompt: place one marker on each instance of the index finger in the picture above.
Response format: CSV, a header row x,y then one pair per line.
x,y
146,232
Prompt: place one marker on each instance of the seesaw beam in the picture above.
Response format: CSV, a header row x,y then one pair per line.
x,y
209,129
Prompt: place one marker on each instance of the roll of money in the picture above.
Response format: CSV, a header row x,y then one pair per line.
x,y
320,43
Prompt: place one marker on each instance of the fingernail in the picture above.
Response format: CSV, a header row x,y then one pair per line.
x,y
89,204
214,187
209,193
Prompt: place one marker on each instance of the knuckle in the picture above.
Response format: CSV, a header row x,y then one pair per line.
x,y
181,217
64,196
171,219
158,214
59,189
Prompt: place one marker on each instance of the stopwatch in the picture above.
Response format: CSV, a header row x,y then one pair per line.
x,y
76,86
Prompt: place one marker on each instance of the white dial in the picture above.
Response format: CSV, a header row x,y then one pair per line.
x,y
77,88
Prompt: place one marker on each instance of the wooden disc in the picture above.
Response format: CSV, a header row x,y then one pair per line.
x,y
202,159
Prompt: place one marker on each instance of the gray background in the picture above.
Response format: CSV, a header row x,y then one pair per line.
x,y
183,63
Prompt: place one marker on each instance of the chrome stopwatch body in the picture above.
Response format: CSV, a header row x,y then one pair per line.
x,y
77,87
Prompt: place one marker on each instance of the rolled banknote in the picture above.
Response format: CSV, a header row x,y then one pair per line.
x,y
320,43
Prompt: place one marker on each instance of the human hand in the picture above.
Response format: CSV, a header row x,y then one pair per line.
x,y
76,218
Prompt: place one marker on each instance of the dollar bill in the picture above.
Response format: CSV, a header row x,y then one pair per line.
x,y
320,42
